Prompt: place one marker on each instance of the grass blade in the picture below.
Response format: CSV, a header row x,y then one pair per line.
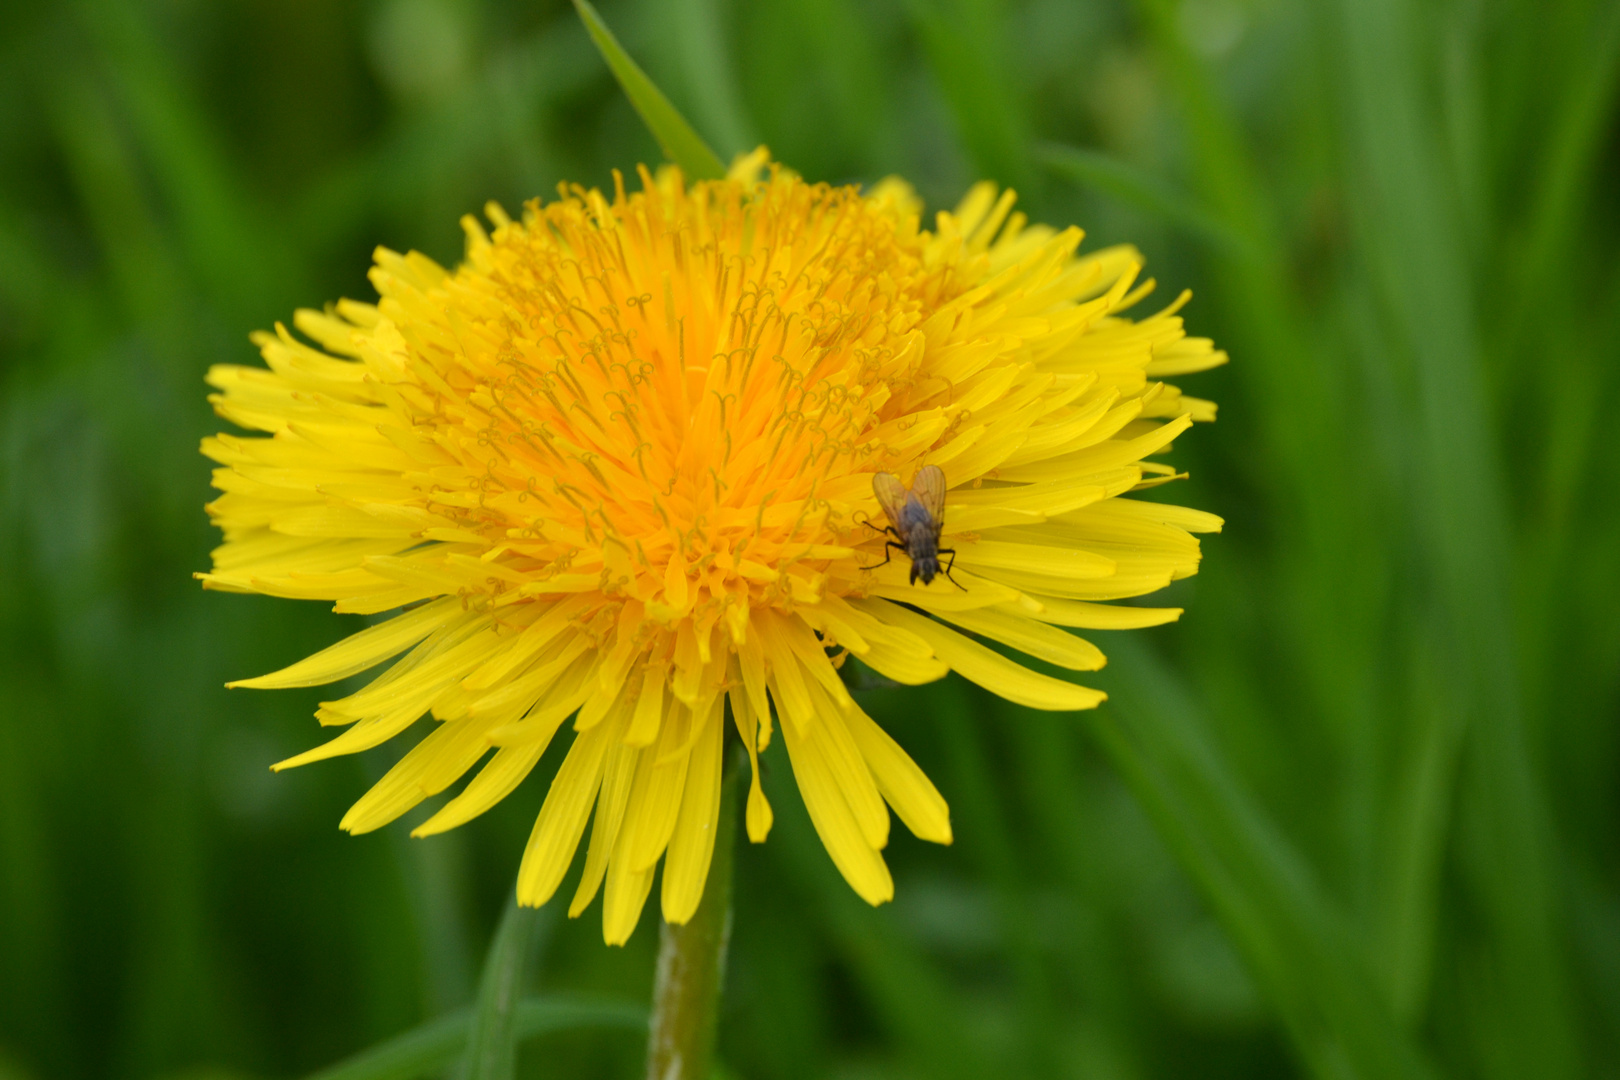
x,y
1332,609
1411,241
841,47
1417,824
234,257
491,1038
1576,139
435,1044
710,75
415,1053
1296,945
907,993
145,272
989,838
965,48
1112,177
680,143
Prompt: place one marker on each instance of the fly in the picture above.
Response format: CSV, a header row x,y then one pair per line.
x,y
916,517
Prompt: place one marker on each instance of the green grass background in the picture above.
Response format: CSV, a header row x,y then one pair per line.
x,y
1355,816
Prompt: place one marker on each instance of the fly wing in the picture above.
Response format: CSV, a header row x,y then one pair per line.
x,y
929,490
891,494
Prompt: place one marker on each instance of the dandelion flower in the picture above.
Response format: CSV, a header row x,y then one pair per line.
x,y
618,467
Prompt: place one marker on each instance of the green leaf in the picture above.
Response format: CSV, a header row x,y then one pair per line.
x,y
680,143
436,1044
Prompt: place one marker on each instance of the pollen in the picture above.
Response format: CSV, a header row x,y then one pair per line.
x,y
617,469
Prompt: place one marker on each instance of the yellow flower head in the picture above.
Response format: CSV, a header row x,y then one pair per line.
x,y
619,466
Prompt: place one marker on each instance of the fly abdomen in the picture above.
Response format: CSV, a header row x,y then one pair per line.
x,y
923,550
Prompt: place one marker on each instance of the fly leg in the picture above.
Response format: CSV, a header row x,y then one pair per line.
x,y
889,548
949,567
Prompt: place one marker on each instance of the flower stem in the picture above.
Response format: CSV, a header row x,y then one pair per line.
x,y
692,959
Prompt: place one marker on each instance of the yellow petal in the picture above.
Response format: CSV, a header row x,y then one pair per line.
x,y
801,641
655,796
857,860
1119,585
1181,517
759,816
786,679
626,896
555,704
553,620
548,669
1088,616
1111,454
842,757
1034,559
691,847
373,731
358,652
442,666
751,664
618,771
562,818
888,650
649,706
990,669
447,752
1023,633
903,784
972,590
499,777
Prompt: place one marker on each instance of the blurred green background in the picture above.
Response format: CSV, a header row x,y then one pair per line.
x,y
1355,816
